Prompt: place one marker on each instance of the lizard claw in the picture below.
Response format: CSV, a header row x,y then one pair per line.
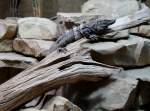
x,y
93,37
62,50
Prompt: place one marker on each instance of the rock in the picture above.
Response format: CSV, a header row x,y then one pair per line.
x,y
76,18
2,64
15,19
37,28
143,30
6,46
139,73
134,51
16,60
111,94
61,104
8,29
67,21
144,95
115,95
142,74
39,102
32,47
110,8
31,109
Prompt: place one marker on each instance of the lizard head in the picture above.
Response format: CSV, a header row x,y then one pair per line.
x,y
102,25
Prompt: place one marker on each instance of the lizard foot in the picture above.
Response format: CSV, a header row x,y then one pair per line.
x,y
92,37
62,50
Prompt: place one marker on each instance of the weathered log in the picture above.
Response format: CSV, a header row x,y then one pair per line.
x,y
133,20
52,72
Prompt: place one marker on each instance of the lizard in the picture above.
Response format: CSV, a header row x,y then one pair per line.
x,y
89,30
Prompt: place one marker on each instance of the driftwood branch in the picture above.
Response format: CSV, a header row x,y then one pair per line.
x,y
129,21
52,72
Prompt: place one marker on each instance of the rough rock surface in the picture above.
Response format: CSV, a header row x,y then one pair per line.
x,y
37,28
76,18
39,102
16,60
67,21
114,95
8,29
116,92
134,51
32,47
143,30
59,103
142,74
56,103
6,46
110,8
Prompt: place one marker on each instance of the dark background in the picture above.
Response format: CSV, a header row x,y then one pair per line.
x,y
48,8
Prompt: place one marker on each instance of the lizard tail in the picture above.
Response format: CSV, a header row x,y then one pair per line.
x,y
53,48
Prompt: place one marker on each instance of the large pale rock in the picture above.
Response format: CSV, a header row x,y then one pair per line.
x,y
112,94
76,18
6,46
40,101
67,21
8,29
37,28
115,95
36,48
16,60
110,8
134,51
59,103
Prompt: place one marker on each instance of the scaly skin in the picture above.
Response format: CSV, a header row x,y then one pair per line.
x,y
90,31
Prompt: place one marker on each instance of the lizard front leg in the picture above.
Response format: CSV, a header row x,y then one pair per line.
x,y
92,37
62,50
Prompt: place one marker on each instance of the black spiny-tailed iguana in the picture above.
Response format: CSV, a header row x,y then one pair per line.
x,y
90,31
